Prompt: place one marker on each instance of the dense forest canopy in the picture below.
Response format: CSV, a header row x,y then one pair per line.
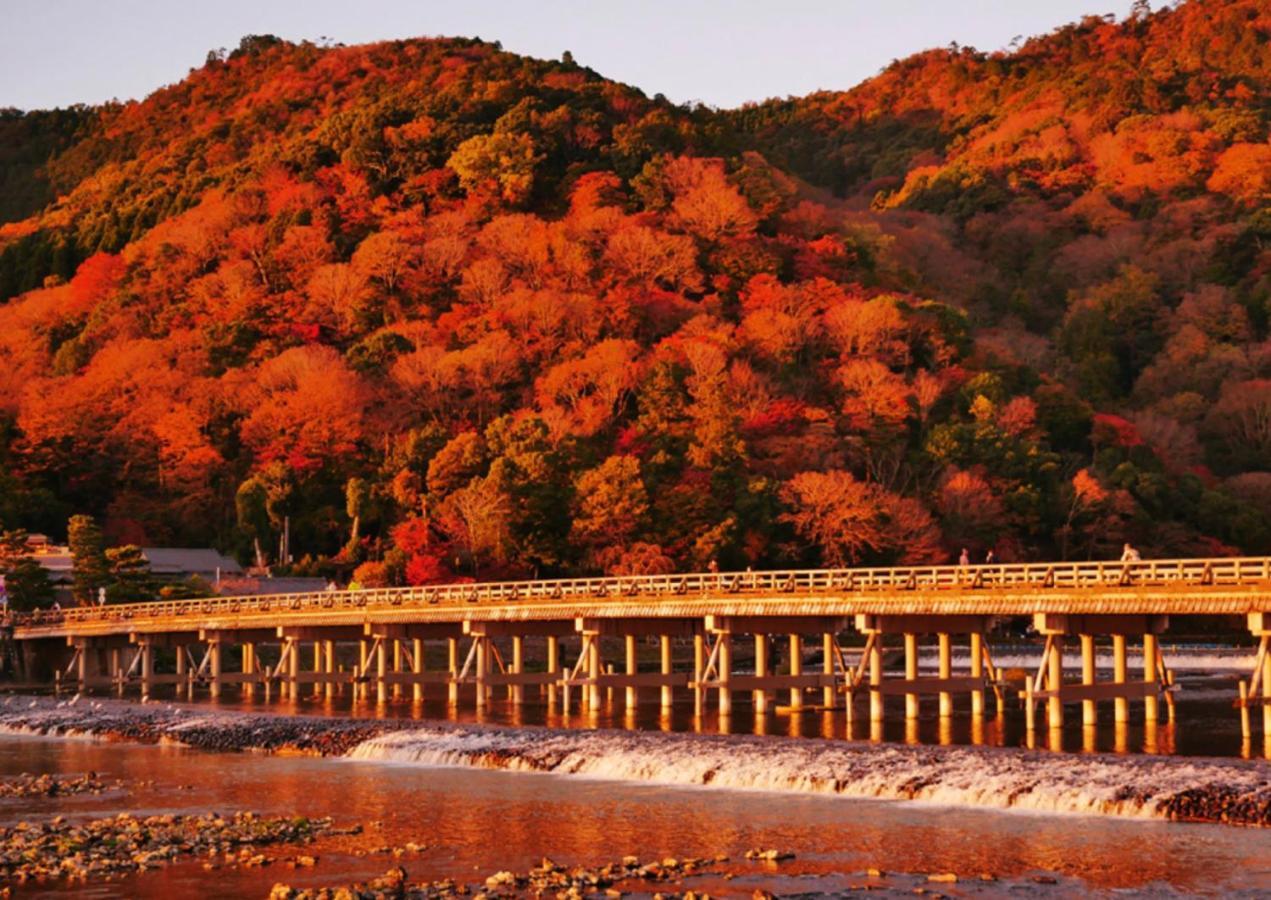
x,y
452,312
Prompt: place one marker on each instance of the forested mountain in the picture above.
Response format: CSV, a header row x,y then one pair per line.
x,y
454,312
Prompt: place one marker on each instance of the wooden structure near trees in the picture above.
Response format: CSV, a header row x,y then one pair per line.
x,y
484,628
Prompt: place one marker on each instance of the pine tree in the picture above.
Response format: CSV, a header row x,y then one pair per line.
x,y
89,571
26,582
130,580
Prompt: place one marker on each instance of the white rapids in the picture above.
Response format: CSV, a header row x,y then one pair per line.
x,y
953,776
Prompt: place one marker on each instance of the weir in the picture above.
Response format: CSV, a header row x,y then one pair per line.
x,y
834,628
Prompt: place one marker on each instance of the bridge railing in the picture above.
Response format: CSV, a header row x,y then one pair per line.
x,y
1228,571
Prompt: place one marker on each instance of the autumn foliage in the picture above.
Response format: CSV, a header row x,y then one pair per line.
x,y
448,312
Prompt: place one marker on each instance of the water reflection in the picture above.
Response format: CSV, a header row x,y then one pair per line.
x,y
1205,725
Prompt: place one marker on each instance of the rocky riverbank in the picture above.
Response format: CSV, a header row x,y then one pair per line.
x,y
549,879
52,786
1191,789
117,845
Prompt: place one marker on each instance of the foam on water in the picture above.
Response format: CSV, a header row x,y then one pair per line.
x,y
953,776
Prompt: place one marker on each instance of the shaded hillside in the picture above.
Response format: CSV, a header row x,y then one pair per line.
x,y
451,311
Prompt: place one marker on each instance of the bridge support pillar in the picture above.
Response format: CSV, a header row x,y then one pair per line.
x,y
664,645
1151,705
977,671
724,664
796,668
876,708
1257,690
318,670
147,667
452,662
397,668
1054,684
760,696
553,667
827,669
912,707
1089,711
417,667
633,667
214,666
946,672
363,687
183,676
593,675
117,670
328,669
292,649
249,669
1120,674
699,672
381,673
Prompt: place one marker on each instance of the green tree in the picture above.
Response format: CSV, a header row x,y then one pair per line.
x,y
26,582
130,580
89,569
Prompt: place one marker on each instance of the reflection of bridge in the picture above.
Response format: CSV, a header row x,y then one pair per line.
x,y
115,645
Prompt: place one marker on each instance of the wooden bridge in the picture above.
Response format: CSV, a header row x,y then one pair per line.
x,y
385,635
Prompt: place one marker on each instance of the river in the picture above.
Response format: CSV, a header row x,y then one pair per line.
x,y
502,793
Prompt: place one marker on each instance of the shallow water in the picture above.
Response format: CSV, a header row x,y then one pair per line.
x,y
477,822
702,786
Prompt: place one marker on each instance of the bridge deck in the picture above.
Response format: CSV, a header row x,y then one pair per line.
x,y
1231,586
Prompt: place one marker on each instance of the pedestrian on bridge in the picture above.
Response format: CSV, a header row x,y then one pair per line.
x,y
965,559
1130,554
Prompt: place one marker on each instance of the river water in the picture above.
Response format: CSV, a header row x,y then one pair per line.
x,y
502,793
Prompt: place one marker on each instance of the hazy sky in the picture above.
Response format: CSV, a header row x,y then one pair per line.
x,y
57,52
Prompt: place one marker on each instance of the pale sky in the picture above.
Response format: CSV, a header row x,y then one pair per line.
x,y
58,52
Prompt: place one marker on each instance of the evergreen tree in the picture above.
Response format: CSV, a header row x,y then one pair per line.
x,y
89,570
130,580
26,582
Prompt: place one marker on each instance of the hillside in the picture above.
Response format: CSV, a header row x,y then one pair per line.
x,y
450,312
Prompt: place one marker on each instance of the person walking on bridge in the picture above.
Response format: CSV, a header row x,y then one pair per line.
x,y
965,559
1129,554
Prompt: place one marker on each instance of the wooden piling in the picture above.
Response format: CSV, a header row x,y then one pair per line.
x,y
668,698
876,708
482,663
516,690
417,668
1151,701
553,666
827,668
977,671
328,666
381,671
632,669
452,662
724,663
1089,713
183,674
247,667
796,668
1266,696
293,670
1055,683
911,672
946,671
398,667
1120,673
593,674
214,651
760,697
699,670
